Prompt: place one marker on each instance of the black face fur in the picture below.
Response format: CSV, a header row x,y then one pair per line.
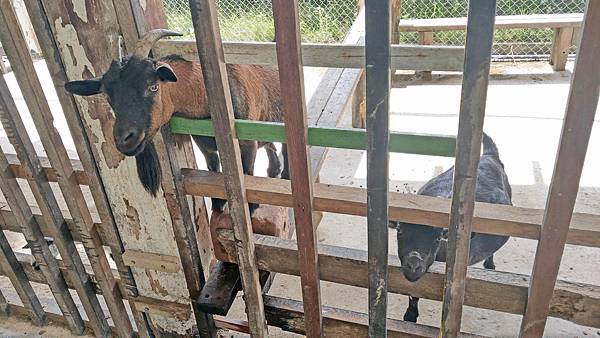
x,y
130,88
418,245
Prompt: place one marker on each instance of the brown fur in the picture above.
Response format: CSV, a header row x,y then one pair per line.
x,y
254,91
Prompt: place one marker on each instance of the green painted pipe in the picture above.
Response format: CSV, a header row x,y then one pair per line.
x,y
407,143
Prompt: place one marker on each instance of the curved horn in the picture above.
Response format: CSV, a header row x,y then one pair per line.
x,y
146,42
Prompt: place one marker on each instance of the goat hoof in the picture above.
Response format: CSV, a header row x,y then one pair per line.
x,y
489,265
411,316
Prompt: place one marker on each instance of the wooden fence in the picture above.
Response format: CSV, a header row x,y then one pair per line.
x,y
160,248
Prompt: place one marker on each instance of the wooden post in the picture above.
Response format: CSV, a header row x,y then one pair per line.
x,y
42,117
86,40
289,58
574,139
377,49
560,47
13,269
210,51
426,38
478,52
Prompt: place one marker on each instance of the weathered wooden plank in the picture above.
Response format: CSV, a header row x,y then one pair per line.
x,y
574,139
29,226
9,222
561,46
504,22
478,53
409,143
378,77
14,271
86,45
426,38
403,57
58,74
488,218
210,51
288,314
486,289
25,73
289,58
4,310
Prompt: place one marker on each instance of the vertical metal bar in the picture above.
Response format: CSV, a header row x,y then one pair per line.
x,y
377,49
13,269
574,139
210,51
480,34
289,60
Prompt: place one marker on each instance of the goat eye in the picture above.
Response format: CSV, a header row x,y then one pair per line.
x,y
154,88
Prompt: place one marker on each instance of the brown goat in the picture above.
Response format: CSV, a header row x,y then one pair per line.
x,y
145,93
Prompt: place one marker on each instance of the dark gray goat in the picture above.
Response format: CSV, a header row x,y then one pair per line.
x,y
419,245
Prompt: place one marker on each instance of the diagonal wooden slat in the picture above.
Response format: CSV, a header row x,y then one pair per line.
x,y
86,162
13,269
41,114
480,34
210,51
289,59
574,139
3,304
377,64
29,226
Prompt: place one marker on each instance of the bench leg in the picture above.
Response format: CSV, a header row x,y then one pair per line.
x,y
359,108
426,38
560,47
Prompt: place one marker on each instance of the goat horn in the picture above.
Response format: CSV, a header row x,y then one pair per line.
x,y
146,42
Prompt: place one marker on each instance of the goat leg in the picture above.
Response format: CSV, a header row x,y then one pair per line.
x,y
412,312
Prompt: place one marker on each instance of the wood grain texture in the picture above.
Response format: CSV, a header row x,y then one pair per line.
x,y
86,169
289,58
25,73
504,22
288,314
577,126
210,51
478,53
378,77
561,46
487,289
19,281
25,220
488,218
86,44
403,57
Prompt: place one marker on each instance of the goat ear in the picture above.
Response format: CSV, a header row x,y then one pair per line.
x,y
166,73
84,87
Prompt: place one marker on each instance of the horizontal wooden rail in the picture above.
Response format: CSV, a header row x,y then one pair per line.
x,y
323,137
403,57
486,289
488,218
494,219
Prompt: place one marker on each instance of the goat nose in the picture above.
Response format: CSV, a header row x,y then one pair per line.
x,y
127,138
413,266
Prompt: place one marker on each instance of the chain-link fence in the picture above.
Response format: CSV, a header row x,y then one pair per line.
x,y
324,21
328,21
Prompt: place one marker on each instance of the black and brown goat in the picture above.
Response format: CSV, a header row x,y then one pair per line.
x,y
420,245
145,93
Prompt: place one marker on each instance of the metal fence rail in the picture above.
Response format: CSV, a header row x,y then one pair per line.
x,y
328,21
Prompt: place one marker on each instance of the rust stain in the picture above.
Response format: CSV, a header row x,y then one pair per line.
x,y
155,284
134,218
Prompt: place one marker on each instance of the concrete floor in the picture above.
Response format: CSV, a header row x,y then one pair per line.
x,y
524,116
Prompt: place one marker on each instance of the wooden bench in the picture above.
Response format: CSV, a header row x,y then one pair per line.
x,y
564,26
